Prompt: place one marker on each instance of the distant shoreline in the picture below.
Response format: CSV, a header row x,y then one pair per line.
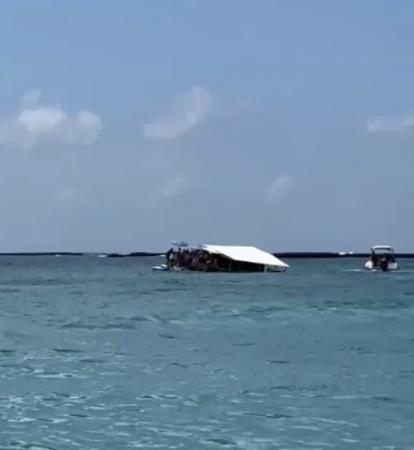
x,y
287,255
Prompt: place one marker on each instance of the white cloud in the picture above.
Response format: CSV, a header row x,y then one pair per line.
x,y
379,124
66,194
39,120
174,186
35,124
279,189
187,112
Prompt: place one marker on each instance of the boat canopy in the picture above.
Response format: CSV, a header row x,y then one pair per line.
x,y
245,254
382,250
179,244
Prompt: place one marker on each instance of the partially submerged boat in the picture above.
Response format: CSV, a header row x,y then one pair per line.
x,y
382,259
220,258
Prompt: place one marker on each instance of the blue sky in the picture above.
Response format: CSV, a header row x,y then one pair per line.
x,y
285,124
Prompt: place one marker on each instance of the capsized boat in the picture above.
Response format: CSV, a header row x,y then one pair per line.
x,y
382,259
221,258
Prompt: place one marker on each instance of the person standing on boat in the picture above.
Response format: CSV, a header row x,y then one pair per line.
x,y
170,257
375,260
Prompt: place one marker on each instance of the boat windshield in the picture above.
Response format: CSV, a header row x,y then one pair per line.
x,y
382,250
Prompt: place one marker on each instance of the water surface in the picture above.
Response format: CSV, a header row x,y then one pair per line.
x,y
102,353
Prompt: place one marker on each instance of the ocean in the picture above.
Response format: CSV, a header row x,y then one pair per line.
x,y
102,353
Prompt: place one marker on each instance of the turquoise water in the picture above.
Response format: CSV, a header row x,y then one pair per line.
x,y
105,354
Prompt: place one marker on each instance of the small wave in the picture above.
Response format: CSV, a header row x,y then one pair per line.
x,y
224,442
7,351
279,361
67,350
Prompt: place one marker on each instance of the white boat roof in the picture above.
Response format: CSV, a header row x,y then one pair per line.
x,y
386,248
245,254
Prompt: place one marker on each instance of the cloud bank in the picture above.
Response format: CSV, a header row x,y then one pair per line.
x,y
384,124
36,124
187,112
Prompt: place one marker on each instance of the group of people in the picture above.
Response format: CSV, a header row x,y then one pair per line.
x,y
382,261
191,259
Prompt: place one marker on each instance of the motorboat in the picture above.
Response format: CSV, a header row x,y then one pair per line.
x,y
220,258
382,259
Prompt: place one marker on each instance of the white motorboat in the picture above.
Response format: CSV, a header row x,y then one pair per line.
x,y
382,259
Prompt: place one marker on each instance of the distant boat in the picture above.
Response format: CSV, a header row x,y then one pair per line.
x,y
221,258
382,259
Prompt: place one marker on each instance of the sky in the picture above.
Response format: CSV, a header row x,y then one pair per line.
x,y
286,124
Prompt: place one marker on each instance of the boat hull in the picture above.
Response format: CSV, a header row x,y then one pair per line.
x,y
165,268
275,269
391,267
160,268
